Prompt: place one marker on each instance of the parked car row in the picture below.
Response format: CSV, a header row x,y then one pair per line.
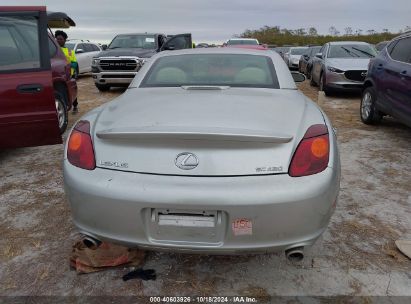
x,y
334,66
174,132
382,73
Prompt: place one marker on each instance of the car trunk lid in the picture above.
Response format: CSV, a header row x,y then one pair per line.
x,y
219,133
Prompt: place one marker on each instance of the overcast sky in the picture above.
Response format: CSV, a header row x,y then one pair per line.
x,y
218,20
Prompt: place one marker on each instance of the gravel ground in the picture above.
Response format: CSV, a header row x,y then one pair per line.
x,y
355,256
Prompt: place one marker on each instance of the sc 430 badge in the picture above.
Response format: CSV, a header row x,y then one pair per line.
x,y
269,169
113,164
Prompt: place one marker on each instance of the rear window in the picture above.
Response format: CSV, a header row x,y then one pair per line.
x,y
235,70
314,50
19,43
351,51
242,42
300,51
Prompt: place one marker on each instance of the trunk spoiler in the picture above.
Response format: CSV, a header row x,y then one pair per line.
x,y
208,133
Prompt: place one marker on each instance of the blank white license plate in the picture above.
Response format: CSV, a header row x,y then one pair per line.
x,y
186,220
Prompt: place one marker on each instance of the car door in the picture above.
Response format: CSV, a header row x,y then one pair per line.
x,y
317,64
398,87
81,56
28,115
178,42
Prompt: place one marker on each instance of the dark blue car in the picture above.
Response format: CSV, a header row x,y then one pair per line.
x,y
387,88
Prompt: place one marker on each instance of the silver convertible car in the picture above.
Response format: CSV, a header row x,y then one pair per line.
x,y
208,150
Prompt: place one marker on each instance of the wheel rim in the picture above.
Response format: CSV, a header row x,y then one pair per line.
x,y
60,113
366,105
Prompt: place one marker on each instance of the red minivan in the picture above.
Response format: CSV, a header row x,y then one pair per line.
x,y
36,90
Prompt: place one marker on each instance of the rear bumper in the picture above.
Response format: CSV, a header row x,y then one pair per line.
x,y
114,78
293,62
119,206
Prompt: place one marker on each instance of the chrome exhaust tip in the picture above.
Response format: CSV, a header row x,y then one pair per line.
x,y
90,242
295,254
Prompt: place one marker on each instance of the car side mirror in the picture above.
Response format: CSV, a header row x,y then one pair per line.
x,y
79,51
104,47
298,77
319,55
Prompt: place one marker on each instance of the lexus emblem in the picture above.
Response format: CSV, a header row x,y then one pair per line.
x,y
186,161
364,74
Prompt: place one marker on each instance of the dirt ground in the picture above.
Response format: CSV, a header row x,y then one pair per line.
x,y
355,256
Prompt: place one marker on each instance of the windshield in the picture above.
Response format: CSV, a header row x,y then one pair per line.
x,y
235,70
70,46
133,41
351,51
314,50
242,42
299,51
381,45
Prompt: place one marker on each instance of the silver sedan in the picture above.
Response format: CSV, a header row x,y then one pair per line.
x,y
208,150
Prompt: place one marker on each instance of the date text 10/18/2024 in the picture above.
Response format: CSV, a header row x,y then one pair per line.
x,y
204,299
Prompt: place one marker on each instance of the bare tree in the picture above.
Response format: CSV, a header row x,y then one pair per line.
x,y
348,31
300,32
333,31
358,32
312,31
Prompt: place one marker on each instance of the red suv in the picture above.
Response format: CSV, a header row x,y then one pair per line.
x,y
36,90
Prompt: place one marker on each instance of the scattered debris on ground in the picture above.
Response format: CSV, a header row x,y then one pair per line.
x,y
105,256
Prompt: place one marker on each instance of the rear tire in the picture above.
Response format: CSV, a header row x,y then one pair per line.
x,y
308,73
323,85
368,113
62,113
312,82
102,87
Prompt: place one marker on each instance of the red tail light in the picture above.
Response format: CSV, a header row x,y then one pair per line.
x,y
312,153
80,151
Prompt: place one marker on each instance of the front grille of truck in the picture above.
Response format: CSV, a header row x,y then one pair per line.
x,y
119,65
355,75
